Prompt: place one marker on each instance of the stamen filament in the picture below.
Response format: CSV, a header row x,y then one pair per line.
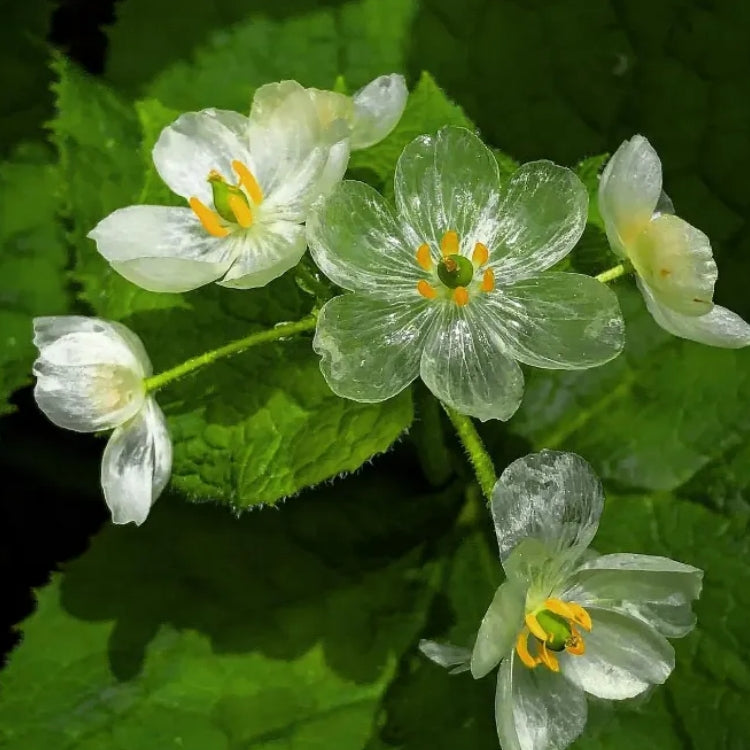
x,y
248,181
536,629
522,648
241,211
210,220
548,659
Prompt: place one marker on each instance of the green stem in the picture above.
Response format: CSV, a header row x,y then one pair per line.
x,y
281,331
475,450
614,273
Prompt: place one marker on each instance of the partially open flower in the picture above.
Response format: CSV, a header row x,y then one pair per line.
x,y
90,377
673,260
453,284
567,621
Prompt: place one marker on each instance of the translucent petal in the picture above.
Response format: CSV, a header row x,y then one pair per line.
x,y
558,320
356,241
454,658
160,248
465,365
542,216
499,629
263,253
720,327
671,621
629,191
370,350
448,181
136,465
377,109
676,261
536,709
89,372
623,657
550,496
196,143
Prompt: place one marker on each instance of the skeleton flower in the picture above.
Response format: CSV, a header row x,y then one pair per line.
x,y
673,260
454,284
90,377
249,183
568,621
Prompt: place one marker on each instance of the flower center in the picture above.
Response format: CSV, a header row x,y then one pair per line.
x,y
454,273
553,629
233,204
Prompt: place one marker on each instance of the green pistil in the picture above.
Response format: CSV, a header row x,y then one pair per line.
x,y
557,629
455,271
223,191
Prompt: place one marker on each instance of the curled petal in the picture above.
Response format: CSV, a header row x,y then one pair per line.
x,y
454,658
136,465
161,249
377,109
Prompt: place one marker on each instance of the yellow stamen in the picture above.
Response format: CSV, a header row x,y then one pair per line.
x,y
248,181
423,256
449,243
575,644
210,220
549,659
426,290
460,296
533,625
241,211
522,649
570,611
481,254
488,281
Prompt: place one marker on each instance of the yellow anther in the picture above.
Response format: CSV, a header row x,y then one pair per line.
x,y
423,256
248,181
533,625
210,220
548,659
570,611
575,645
426,290
481,254
522,649
488,280
241,211
460,296
449,243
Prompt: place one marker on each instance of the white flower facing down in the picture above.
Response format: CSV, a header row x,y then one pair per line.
x,y
453,285
673,260
249,183
567,621
90,377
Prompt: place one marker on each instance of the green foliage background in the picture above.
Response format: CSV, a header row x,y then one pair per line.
x,y
296,627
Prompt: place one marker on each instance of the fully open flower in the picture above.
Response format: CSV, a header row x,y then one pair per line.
x,y
249,183
673,260
453,284
90,377
567,621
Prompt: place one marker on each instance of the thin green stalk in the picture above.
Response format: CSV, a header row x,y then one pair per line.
x,y
475,450
281,331
614,273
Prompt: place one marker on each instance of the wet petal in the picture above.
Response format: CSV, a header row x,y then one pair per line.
x,y
550,496
356,241
454,658
623,657
160,248
542,216
466,366
136,465
370,350
536,709
558,320
671,621
720,327
377,109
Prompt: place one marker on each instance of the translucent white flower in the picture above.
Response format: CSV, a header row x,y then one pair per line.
x,y
567,621
453,285
90,377
673,260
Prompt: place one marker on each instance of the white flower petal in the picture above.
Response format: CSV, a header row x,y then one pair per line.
x,y
536,709
720,327
136,465
160,248
370,349
542,216
356,241
550,496
377,109
465,365
671,621
629,191
454,658
264,253
499,629
449,181
558,320
196,143
623,657
89,372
